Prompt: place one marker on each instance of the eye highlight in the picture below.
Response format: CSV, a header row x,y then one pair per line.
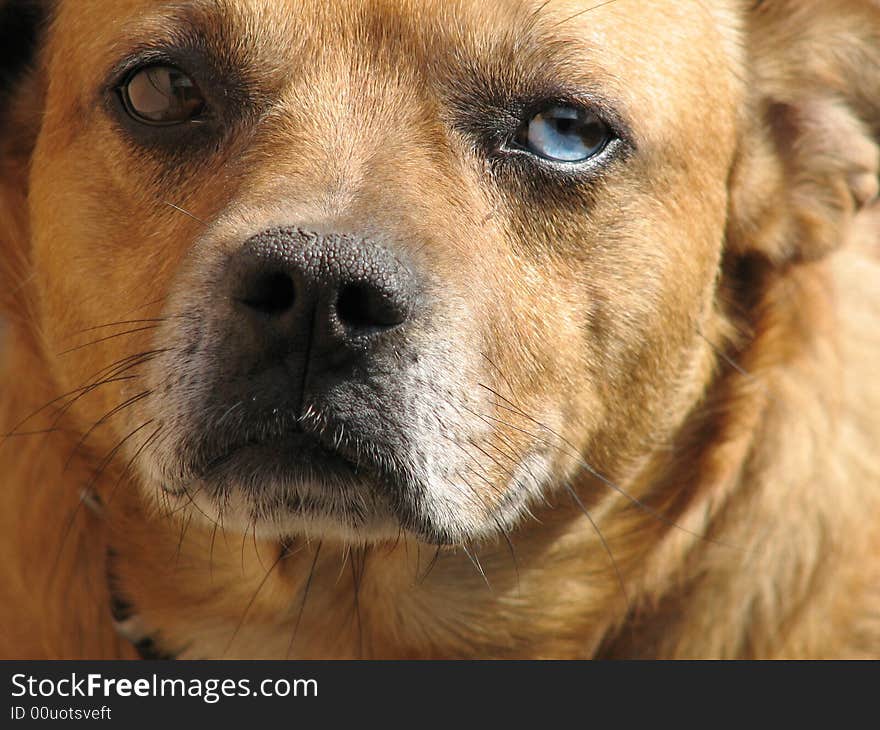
x,y
564,134
161,96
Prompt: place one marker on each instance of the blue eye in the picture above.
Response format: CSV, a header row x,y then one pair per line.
x,y
564,134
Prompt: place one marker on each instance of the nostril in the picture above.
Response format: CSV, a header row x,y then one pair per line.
x,y
328,291
271,293
363,307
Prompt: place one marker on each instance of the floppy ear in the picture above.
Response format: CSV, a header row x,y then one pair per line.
x,y
20,21
21,27
808,158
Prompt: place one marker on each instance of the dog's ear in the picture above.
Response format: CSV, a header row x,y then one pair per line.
x,y
808,158
22,25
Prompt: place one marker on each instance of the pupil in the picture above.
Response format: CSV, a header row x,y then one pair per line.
x,y
565,126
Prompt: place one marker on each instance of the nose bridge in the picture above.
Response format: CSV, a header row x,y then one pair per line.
x,y
344,136
356,146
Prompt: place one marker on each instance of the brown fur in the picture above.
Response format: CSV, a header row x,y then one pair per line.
x,y
718,421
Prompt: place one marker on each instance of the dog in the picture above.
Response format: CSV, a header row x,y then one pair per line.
x,y
440,329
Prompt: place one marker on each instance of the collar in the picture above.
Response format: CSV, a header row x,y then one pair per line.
x,y
126,620
128,623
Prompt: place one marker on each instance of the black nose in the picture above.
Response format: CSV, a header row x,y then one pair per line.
x,y
321,294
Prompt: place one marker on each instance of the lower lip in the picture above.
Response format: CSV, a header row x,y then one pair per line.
x,y
294,452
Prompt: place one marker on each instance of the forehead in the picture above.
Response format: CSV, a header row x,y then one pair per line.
x,y
409,17
635,52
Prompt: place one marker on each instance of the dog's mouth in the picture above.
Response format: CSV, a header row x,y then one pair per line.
x,y
293,451
288,476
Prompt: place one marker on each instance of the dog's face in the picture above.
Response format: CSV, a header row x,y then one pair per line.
x,y
352,268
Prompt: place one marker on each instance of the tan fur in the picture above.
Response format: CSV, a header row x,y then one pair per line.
x,y
724,399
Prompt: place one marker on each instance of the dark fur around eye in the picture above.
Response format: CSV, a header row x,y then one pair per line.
x,y
232,99
488,111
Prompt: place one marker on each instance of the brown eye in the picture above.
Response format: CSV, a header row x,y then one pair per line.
x,y
162,95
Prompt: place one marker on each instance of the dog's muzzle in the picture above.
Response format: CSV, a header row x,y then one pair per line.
x,y
311,334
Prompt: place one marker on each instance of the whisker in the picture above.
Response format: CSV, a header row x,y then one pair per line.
x,y
243,546
537,11
191,502
305,598
107,339
512,550
115,370
253,600
211,552
184,528
132,460
604,542
257,547
730,361
121,323
475,561
470,456
356,578
145,305
489,483
498,369
434,561
54,429
55,400
101,421
582,12
185,212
